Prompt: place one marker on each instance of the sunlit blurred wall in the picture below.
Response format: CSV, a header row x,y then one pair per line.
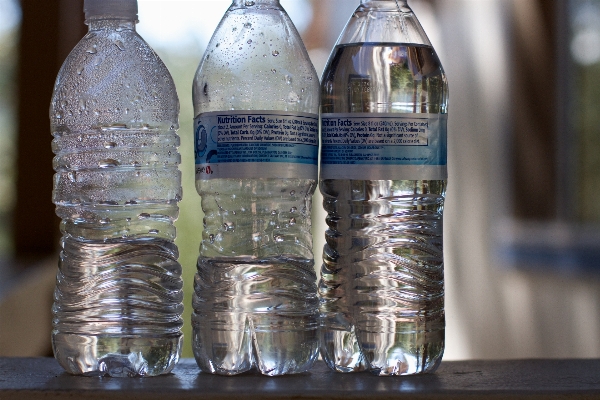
x,y
494,312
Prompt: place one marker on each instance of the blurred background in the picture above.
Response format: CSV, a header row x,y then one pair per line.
x,y
522,217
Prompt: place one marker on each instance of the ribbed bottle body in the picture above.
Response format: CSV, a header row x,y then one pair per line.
x,y
256,102
114,117
382,286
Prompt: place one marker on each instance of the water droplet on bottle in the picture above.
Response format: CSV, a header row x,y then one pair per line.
x,y
292,193
293,209
58,115
278,238
80,138
288,79
275,53
228,226
153,231
205,89
249,3
292,221
108,163
143,216
92,49
218,44
109,145
274,212
247,25
72,176
105,220
273,70
119,45
64,103
211,238
249,41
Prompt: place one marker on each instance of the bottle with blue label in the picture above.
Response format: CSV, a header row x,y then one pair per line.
x,y
256,101
384,103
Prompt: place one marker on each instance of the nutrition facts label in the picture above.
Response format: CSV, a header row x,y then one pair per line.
x,y
383,146
247,144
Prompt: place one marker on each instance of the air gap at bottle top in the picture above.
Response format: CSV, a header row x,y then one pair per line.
x,y
383,177
114,116
256,100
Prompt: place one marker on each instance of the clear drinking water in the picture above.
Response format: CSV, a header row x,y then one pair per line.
x,y
114,116
382,279
255,299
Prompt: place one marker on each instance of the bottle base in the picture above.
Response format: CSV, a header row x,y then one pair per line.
x,y
116,356
382,354
272,344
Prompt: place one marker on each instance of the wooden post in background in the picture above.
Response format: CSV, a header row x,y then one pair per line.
x,y
49,30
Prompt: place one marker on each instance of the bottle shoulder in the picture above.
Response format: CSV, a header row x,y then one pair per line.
x,y
373,23
113,77
256,62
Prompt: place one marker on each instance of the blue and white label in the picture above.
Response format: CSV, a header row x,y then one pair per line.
x,y
367,146
256,144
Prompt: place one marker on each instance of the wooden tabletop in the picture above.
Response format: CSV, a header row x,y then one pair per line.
x,y
43,378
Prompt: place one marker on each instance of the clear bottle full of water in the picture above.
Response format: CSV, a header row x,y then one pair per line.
x,y
114,117
383,177
256,101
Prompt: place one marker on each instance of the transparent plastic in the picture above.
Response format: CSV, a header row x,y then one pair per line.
x,y
382,285
255,301
114,117
102,9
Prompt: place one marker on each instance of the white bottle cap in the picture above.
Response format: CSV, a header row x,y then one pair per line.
x,y
95,9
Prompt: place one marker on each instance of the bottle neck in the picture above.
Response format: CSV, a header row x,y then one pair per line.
x,y
261,4
118,24
390,5
399,2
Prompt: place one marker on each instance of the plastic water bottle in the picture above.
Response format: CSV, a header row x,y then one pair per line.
x,y
114,116
256,101
383,178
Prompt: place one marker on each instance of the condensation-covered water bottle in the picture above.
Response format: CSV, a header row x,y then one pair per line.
x,y
383,177
114,116
256,101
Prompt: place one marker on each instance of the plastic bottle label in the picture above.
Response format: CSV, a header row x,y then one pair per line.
x,y
367,146
256,144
